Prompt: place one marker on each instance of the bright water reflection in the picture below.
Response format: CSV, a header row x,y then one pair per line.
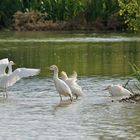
x,y
33,110
87,57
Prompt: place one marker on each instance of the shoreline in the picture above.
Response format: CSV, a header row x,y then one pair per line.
x,y
67,31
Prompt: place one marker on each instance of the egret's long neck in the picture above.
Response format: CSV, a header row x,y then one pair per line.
x,y
10,68
55,74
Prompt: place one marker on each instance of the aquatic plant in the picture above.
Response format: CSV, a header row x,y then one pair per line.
x,y
135,86
136,71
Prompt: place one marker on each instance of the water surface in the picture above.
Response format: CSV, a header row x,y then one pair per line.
x,y
33,109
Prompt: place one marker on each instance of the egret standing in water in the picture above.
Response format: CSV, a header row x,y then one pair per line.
x,y
71,82
61,87
11,78
118,91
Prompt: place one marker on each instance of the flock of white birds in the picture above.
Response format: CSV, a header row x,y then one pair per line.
x,y
68,86
65,86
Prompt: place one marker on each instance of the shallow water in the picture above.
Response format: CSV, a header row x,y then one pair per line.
x,y
33,109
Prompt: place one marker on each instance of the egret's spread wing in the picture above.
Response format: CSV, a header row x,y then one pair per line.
x,y
3,65
4,61
25,72
20,73
63,75
71,79
74,75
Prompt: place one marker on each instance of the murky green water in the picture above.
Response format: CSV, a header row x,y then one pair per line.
x,y
33,111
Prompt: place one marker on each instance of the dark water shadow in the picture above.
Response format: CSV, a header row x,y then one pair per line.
x,y
62,104
3,99
7,100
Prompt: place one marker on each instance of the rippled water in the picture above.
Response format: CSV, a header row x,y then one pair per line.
x,y
33,109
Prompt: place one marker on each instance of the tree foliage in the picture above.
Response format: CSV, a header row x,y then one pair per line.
x,y
7,9
130,10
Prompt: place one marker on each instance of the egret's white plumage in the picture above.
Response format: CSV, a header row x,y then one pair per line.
x,y
71,82
118,91
11,78
60,85
3,65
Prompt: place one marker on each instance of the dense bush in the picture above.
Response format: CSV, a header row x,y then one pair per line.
x,y
130,11
102,14
7,10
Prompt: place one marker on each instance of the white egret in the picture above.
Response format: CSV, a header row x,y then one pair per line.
x,y
3,65
118,91
11,78
71,82
61,87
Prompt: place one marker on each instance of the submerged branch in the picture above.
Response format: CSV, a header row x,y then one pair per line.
x,y
126,83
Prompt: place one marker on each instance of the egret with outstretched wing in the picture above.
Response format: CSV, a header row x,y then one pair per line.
x,y
71,82
12,77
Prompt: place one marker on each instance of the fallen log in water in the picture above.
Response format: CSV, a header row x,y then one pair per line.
x,y
132,99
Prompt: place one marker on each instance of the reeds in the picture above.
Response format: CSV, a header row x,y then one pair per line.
x,y
136,71
134,87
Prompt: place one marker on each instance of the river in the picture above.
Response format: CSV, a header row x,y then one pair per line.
x,y
33,109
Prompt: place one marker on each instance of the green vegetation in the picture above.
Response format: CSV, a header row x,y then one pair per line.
x,y
7,10
130,10
133,86
136,71
100,14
